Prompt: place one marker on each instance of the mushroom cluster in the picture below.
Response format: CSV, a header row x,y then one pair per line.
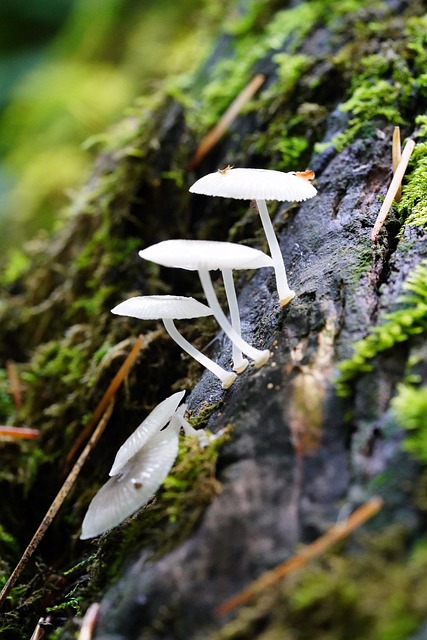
x,y
147,456
204,256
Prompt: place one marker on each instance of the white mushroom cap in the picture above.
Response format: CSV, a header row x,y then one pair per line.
x,y
159,307
255,184
205,254
128,491
155,421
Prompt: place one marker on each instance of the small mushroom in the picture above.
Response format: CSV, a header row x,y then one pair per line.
x,y
129,490
155,421
204,256
168,309
261,185
140,466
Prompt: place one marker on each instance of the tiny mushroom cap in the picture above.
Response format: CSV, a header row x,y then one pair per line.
x,y
155,421
257,184
168,309
261,185
133,486
159,307
204,256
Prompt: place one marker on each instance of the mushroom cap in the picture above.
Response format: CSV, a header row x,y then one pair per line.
x,y
155,421
205,254
255,184
128,491
159,307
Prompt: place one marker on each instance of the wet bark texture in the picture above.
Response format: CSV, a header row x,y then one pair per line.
x,y
298,453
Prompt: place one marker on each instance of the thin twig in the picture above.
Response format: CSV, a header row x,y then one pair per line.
x,y
106,399
396,155
56,504
40,630
14,384
393,188
18,433
215,134
333,535
89,622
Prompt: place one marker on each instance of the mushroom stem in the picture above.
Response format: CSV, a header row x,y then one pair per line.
x,y
239,362
260,357
285,293
227,377
178,421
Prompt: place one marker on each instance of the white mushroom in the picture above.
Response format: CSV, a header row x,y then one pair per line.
x,y
204,256
133,486
155,421
261,185
168,309
140,466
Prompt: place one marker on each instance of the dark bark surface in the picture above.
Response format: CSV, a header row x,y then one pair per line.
x,y
299,456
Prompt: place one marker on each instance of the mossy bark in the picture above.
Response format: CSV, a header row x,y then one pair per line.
x,y
298,455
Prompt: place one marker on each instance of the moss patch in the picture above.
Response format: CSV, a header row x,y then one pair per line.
x,y
409,320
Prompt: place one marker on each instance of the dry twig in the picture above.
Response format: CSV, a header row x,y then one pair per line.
x,y
334,534
18,433
15,387
106,399
396,154
215,134
89,622
100,417
393,188
56,504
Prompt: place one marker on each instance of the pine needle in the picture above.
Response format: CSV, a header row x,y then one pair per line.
x,y
100,418
333,535
393,188
215,134
18,433
106,399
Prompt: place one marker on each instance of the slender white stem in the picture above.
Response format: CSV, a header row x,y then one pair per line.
x,y
285,293
260,357
239,362
227,377
179,421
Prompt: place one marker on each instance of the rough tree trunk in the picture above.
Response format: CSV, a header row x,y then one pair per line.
x,y
299,455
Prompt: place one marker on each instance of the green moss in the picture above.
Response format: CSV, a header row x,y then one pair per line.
x,y
385,88
6,402
231,74
410,319
413,203
410,408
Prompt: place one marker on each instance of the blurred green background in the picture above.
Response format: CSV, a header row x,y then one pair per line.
x,y
68,70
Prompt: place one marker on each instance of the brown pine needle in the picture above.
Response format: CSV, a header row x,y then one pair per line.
x,y
393,188
56,504
333,535
89,622
106,399
15,387
18,433
396,154
215,134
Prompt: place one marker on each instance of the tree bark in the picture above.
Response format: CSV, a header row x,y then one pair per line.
x,y
299,456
